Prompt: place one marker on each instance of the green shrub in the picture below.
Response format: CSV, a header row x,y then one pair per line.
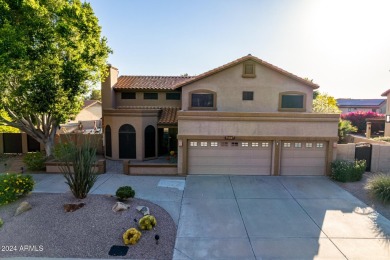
x,y
348,171
14,186
63,151
34,161
78,167
379,186
125,192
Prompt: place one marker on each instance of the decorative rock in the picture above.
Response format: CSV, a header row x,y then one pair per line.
x,y
119,206
73,207
23,207
144,210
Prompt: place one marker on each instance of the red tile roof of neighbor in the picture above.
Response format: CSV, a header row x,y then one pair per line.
x,y
149,82
174,82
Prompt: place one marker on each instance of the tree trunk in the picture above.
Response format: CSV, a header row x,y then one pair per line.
x,y
49,145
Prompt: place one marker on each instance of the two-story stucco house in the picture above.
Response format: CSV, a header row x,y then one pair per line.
x,y
245,117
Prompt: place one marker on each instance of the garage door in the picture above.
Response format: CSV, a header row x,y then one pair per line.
x,y
303,158
229,157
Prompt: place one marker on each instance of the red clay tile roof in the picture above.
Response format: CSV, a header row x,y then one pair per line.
x,y
242,59
167,115
149,82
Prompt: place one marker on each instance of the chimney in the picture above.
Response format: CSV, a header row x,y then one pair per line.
x,y
108,94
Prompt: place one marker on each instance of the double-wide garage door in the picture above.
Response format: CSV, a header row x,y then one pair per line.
x,y
229,157
255,157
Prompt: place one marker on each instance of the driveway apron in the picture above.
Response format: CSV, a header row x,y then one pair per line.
x,y
265,217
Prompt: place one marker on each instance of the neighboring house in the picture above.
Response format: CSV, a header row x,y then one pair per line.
x,y
245,117
347,105
88,120
387,118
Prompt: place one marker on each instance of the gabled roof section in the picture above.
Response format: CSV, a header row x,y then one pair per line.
x,y
348,102
384,94
89,103
149,82
243,59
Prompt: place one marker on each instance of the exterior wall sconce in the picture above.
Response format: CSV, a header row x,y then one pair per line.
x,y
387,118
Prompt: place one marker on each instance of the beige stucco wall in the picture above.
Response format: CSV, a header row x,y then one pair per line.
x,y
93,112
140,101
257,124
139,119
229,85
380,158
345,152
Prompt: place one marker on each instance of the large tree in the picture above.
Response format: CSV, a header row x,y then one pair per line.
x,y
50,52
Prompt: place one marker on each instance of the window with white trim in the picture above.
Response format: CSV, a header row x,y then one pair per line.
x,y
286,145
309,145
255,144
214,144
298,145
224,144
244,144
203,144
320,145
234,143
266,144
193,143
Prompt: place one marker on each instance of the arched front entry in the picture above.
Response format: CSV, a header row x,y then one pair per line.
x,y
150,142
127,148
107,134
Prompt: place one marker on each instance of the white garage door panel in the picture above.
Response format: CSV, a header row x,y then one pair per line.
x,y
229,160
303,160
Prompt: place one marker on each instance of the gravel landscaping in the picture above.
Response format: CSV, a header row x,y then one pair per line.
x,y
48,231
357,189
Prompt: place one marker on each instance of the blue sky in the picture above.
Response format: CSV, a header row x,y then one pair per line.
x,y
343,45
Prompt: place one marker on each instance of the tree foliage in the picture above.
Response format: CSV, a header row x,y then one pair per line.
x,y
323,103
358,119
345,127
5,128
50,50
96,94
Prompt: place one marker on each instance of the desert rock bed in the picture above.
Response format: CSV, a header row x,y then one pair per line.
x,y
48,231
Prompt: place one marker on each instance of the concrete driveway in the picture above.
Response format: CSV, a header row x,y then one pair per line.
x,y
255,217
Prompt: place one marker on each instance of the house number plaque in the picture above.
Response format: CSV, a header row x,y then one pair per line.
x,y
230,137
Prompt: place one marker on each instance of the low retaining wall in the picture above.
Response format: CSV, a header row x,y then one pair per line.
x,y
55,167
149,168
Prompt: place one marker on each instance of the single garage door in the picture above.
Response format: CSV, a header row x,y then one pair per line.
x,y
229,157
303,158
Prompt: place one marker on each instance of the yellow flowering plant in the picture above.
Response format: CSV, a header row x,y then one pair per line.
x,y
14,186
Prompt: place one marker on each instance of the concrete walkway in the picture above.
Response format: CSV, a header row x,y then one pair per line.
x,y
255,217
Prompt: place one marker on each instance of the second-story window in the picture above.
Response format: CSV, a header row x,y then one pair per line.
x,y
128,95
150,95
202,100
247,95
173,96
